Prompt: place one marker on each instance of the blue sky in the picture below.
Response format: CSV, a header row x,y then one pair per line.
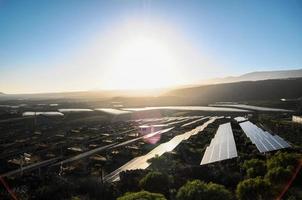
x,y
234,37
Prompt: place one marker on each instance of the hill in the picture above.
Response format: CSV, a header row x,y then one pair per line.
x,y
240,91
256,76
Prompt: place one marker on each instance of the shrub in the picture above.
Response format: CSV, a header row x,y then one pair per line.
x,y
282,159
155,182
197,190
278,175
142,195
253,188
254,168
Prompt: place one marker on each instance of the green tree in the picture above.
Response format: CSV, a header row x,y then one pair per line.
x,y
253,189
282,159
155,182
216,191
198,190
254,168
142,195
163,163
278,175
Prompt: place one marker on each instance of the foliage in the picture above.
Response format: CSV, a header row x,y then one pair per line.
x,y
75,198
95,189
278,175
254,168
197,190
129,180
55,190
142,195
253,188
163,163
282,159
155,182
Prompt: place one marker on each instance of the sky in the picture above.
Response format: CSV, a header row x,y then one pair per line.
x,y
75,45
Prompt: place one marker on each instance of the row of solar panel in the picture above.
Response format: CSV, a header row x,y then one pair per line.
x,y
195,121
222,146
240,119
263,140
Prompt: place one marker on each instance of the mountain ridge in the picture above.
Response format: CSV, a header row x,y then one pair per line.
x,y
252,76
274,89
255,76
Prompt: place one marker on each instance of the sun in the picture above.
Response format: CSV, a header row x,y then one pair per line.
x,y
142,62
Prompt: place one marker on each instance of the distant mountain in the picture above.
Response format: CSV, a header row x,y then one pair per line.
x,y
276,85
100,94
240,91
256,76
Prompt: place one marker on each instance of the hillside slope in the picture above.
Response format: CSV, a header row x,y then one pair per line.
x,y
256,76
241,91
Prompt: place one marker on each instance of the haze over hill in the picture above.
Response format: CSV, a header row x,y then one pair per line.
x,y
266,85
241,91
256,76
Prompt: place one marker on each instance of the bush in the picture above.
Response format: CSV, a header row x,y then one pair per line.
x,y
278,175
163,163
253,188
197,190
155,182
93,188
282,159
55,189
142,195
254,168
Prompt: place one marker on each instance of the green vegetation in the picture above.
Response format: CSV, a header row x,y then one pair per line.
x,y
278,175
282,159
155,182
163,163
198,190
143,195
266,183
254,168
253,188
177,175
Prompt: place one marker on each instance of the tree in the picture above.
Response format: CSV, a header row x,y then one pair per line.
x,y
216,191
282,159
142,195
278,175
198,190
254,168
253,188
155,182
93,188
55,189
163,163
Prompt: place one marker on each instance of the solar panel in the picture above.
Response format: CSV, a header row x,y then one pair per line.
x,y
222,146
240,119
281,141
206,156
263,140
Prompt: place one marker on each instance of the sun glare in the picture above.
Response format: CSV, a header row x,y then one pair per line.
x,y
142,60
143,63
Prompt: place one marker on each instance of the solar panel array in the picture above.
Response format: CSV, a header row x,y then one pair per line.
x,y
222,146
240,119
195,121
263,140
